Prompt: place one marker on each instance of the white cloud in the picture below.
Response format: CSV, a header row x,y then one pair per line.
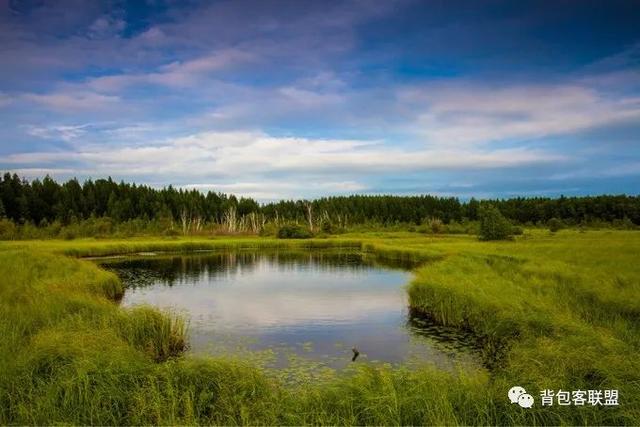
x,y
177,74
153,35
299,70
106,27
33,173
454,113
461,114
309,99
71,101
62,132
243,161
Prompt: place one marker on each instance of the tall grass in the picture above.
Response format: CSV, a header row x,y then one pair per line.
x,y
565,317
557,311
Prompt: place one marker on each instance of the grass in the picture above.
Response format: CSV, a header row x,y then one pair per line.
x,y
551,311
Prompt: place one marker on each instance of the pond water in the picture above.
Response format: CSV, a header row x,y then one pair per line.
x,y
311,305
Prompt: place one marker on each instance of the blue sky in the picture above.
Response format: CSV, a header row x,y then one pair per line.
x,y
303,99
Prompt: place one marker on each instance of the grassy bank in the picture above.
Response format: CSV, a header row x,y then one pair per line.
x,y
553,311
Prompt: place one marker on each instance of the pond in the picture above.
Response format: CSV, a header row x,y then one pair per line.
x,y
312,305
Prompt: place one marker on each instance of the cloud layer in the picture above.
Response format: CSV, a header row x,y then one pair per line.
x,y
285,99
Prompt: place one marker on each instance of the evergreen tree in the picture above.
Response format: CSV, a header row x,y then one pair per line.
x,y
46,201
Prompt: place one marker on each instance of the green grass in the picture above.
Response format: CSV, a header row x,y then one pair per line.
x,y
556,311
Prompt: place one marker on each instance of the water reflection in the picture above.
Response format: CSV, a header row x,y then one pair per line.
x,y
313,304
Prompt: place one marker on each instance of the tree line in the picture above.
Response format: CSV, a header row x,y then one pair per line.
x,y
43,201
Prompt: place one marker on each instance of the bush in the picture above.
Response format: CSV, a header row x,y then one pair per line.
x,y
623,224
436,225
68,233
294,231
517,231
327,226
269,230
454,227
8,230
101,227
493,225
471,227
432,226
555,224
29,231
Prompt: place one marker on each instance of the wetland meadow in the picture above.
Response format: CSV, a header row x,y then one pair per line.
x,y
237,330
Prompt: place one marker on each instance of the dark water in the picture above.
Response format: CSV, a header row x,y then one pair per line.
x,y
306,305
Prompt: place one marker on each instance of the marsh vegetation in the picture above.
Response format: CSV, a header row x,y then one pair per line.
x,y
551,310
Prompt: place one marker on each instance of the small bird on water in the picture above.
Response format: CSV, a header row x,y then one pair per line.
x,y
356,353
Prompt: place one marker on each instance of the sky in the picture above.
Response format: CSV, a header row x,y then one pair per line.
x,y
302,99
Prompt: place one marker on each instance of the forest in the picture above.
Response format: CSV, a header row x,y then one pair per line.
x,y
42,202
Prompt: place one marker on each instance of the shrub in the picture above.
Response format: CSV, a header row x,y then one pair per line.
x,y
555,224
29,231
327,226
454,227
436,225
101,226
623,224
8,230
68,233
433,225
294,231
517,231
471,227
493,225
269,229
